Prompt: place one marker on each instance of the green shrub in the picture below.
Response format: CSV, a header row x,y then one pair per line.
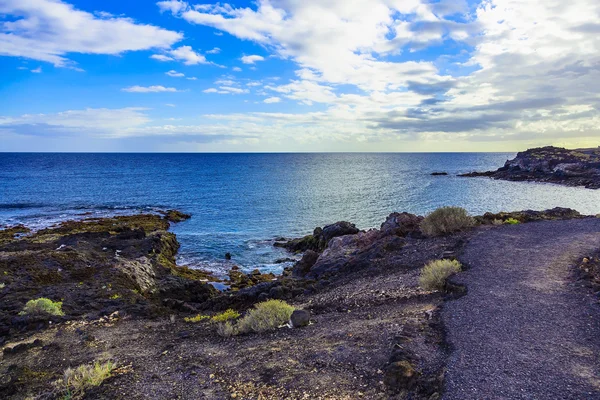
x,y
42,307
435,273
76,381
197,318
225,316
446,220
512,221
264,316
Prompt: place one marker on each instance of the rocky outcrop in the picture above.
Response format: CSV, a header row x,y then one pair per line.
x,y
320,237
95,267
556,213
176,216
350,252
579,167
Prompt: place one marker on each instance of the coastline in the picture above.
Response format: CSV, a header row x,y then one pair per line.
x,y
373,330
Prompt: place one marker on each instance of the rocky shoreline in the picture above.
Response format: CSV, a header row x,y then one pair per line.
x,y
374,332
579,167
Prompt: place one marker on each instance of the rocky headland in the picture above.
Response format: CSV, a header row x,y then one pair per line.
x,y
374,331
579,167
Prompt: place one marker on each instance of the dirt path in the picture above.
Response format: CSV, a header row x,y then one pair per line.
x,y
526,329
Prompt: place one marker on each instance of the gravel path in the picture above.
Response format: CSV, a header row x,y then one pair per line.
x,y
525,329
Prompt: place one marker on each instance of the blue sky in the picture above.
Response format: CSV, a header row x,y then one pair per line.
x,y
298,75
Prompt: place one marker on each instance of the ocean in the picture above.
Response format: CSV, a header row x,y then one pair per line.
x,y
241,202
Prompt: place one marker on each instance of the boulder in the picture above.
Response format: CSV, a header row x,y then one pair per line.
x,y
402,224
353,252
300,318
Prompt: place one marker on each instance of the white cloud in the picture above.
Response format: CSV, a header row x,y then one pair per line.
x,y
233,90
148,89
191,78
91,121
161,57
170,105
216,50
38,70
518,78
50,30
226,90
272,100
236,69
251,59
175,74
188,56
172,6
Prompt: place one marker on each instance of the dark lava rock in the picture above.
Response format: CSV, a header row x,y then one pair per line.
x,y
439,173
176,216
300,318
353,252
556,213
579,167
303,266
228,256
284,260
320,237
402,224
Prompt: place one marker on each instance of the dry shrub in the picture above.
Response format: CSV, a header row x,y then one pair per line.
x,y
76,381
446,220
434,274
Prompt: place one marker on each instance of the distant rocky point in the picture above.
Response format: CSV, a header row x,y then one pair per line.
x,y
578,167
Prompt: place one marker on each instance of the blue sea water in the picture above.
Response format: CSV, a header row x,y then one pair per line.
x,y
241,202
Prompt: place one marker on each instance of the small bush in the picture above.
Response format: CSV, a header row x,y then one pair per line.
x,y
446,220
197,318
76,381
2,285
263,317
497,222
42,307
225,316
512,221
435,273
227,329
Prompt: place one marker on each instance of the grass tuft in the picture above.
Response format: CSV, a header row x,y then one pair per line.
x,y
512,221
76,381
42,307
446,220
434,274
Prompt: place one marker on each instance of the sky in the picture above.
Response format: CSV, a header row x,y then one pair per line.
x,y
298,75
